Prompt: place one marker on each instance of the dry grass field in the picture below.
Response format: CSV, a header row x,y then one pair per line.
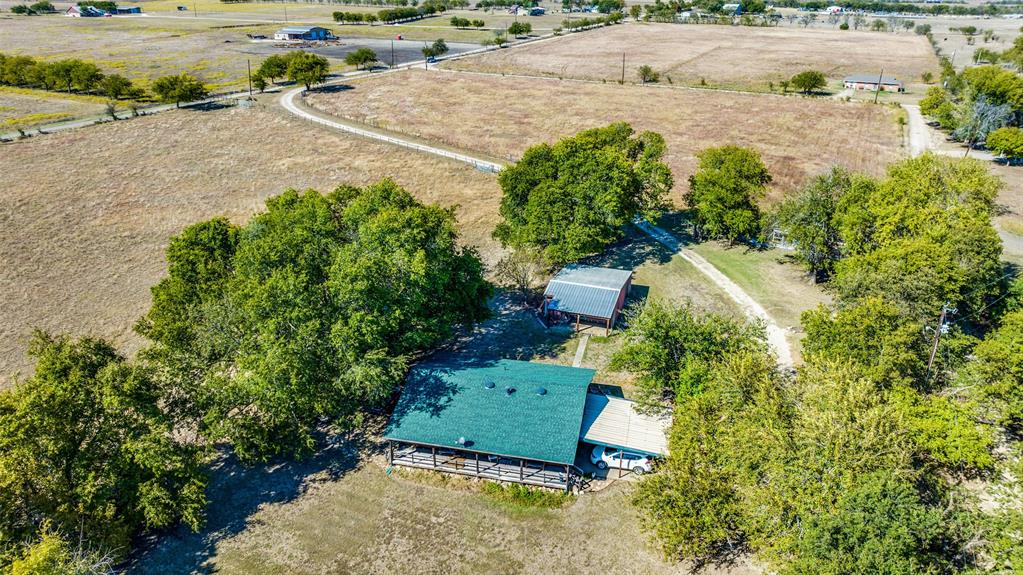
x,y
341,513
28,108
798,137
736,57
86,214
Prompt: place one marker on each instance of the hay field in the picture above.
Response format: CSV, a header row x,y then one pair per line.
x,y
86,214
732,57
502,116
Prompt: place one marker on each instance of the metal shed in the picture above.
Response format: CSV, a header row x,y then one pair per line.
x,y
587,292
504,420
615,422
303,33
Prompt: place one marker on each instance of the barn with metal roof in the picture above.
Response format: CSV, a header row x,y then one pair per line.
x,y
587,293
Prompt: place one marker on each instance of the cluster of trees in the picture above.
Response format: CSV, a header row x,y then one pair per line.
x,y
573,198
584,23
261,337
438,48
520,29
361,58
809,81
463,23
405,14
856,463
298,66
976,102
41,7
71,75
880,6
355,17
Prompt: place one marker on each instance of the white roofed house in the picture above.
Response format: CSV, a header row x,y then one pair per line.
x,y
872,82
586,293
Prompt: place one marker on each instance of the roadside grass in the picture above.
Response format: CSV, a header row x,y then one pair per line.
x,y
798,137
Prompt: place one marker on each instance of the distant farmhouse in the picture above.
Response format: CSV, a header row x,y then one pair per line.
x,y
84,12
586,293
871,82
303,33
512,421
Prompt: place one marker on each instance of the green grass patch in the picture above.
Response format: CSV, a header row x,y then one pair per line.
x,y
516,497
34,119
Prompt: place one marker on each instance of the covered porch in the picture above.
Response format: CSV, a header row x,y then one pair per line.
x,y
482,465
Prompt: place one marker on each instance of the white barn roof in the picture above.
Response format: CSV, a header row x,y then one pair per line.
x,y
614,422
587,290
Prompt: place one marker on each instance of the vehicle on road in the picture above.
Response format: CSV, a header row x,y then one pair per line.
x,y
605,457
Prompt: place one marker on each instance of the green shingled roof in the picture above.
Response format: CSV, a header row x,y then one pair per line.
x,y
445,401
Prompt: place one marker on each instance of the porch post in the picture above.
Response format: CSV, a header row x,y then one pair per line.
x,y
477,464
568,480
390,452
433,452
522,476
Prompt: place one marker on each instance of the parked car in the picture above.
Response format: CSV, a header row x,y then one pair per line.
x,y
604,457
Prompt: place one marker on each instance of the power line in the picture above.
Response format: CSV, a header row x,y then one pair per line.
x,y
1000,298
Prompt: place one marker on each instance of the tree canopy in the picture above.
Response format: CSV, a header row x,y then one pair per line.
x,y
86,448
310,312
180,88
723,192
573,198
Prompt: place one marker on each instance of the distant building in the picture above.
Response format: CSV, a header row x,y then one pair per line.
x,y
84,12
303,33
872,82
129,10
587,293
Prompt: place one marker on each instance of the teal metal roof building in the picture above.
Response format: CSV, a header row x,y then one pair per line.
x,y
529,412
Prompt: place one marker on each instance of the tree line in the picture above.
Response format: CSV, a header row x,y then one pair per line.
x,y
262,337
857,462
69,75
296,66
980,105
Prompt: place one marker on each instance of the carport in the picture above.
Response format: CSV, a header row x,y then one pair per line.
x,y
614,422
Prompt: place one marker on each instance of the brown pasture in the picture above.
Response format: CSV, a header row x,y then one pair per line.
x,y
85,215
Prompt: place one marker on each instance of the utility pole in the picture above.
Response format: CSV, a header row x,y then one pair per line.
x,y
392,52
195,9
248,63
623,69
937,338
285,12
877,92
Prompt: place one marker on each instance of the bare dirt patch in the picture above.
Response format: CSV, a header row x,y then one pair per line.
x,y
739,57
502,116
86,214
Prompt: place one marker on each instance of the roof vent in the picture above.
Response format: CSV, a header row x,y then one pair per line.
x,y
541,391
488,385
509,390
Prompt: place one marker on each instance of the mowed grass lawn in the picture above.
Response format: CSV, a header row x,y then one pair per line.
x,y
735,57
502,116
87,214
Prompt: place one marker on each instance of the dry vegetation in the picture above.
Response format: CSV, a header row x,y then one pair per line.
x,y
739,57
86,214
797,136
336,514
27,108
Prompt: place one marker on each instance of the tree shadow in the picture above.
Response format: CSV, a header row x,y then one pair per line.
x,y
333,88
631,252
237,491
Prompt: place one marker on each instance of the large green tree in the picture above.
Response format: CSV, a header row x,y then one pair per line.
x,y
724,191
177,89
87,448
308,69
309,313
573,198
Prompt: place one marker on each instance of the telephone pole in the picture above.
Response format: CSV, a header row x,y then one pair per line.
x,y
937,338
877,92
248,64
392,52
623,69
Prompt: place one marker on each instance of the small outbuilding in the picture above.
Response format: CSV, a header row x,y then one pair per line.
x,y
872,83
125,10
503,420
303,33
586,293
